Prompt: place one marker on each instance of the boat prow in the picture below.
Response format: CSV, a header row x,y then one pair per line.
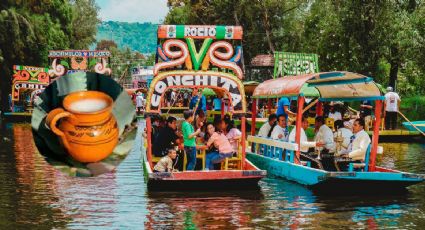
x,y
381,181
204,180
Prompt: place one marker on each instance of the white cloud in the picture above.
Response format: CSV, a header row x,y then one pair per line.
x,y
133,10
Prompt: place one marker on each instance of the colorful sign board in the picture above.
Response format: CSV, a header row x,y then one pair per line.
x,y
225,82
200,31
186,56
70,61
292,64
28,77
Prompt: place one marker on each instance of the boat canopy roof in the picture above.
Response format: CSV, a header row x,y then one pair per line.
x,y
328,86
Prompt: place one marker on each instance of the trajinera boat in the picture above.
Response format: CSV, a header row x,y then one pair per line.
x,y
181,65
284,159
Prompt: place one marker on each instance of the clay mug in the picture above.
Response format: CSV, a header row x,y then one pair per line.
x,y
87,128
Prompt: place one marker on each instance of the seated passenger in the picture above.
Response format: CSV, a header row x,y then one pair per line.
x,y
324,135
266,128
218,140
359,142
305,144
333,113
280,132
341,136
233,134
166,163
167,138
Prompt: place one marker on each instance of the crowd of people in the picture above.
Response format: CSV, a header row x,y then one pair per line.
x,y
346,138
220,140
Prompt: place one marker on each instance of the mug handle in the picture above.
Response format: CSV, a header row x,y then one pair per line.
x,y
52,119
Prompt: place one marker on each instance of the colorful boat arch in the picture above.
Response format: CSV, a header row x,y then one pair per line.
x,y
228,83
28,77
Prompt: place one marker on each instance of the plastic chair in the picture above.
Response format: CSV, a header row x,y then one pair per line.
x,y
365,166
234,162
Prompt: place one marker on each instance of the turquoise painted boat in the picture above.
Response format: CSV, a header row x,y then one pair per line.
x,y
285,160
419,124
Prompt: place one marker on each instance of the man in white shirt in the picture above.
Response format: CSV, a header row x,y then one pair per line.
x,y
359,142
266,127
334,114
304,143
279,131
324,135
140,101
392,106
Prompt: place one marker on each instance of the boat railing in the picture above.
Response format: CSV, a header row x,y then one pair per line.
x,y
268,147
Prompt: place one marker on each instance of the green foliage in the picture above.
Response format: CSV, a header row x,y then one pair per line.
x,y
413,108
382,39
137,36
84,23
29,29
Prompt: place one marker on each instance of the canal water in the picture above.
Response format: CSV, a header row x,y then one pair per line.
x,y
34,195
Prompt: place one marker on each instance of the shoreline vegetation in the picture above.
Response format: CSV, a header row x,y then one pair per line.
x,y
381,39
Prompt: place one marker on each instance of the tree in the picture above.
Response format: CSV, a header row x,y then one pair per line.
x,y
106,45
84,23
29,29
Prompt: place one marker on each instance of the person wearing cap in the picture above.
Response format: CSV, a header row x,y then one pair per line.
x,y
140,102
392,106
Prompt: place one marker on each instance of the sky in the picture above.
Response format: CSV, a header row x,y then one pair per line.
x,y
133,10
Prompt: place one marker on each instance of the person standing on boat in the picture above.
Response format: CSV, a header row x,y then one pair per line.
x,y
189,137
305,144
280,132
324,135
267,126
392,106
283,108
359,142
202,105
366,113
166,139
140,102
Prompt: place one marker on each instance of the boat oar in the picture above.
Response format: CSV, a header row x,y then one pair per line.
x,y
196,105
414,126
177,97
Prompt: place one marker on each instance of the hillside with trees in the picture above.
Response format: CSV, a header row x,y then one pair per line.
x,y
140,37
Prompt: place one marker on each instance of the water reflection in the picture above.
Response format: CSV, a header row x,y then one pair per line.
x,y
33,194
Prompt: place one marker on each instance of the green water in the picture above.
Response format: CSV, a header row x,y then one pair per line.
x,y
34,195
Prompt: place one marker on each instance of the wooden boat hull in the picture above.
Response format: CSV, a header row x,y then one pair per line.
x,y
399,135
419,124
203,180
320,181
17,117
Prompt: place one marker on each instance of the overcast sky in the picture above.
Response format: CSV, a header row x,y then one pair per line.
x,y
133,10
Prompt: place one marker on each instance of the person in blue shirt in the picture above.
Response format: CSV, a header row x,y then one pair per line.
x,y
202,103
283,108
217,104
